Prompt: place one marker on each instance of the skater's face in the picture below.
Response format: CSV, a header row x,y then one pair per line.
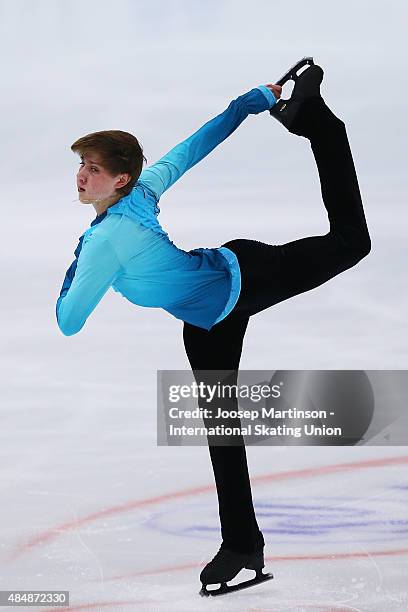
x,y
94,183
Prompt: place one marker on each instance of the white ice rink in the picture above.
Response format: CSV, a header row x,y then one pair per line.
x,y
89,502
91,505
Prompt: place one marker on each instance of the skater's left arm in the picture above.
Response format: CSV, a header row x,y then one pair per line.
x,y
167,170
86,282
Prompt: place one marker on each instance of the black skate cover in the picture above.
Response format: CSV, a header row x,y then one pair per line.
x,y
307,85
225,566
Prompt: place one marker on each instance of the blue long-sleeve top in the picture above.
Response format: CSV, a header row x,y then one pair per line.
x,y
126,248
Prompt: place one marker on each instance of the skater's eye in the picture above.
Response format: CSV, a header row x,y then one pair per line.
x,y
93,168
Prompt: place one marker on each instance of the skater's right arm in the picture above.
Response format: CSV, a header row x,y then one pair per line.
x,y
165,172
86,282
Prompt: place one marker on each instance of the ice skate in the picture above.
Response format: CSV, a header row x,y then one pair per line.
x,y
307,85
226,565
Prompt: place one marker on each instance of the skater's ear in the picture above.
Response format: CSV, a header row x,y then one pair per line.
x,y
122,181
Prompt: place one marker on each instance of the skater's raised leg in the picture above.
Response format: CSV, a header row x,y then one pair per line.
x,y
273,273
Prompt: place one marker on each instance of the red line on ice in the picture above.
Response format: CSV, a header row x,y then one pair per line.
x,y
50,534
318,557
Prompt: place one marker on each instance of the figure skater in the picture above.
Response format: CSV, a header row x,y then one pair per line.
x,y
214,291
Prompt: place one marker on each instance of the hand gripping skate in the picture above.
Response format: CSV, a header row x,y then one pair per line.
x,y
226,565
307,85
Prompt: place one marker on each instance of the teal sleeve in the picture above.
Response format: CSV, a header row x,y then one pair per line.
x,y
167,170
96,270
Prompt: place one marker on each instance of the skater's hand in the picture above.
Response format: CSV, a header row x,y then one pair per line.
x,y
275,89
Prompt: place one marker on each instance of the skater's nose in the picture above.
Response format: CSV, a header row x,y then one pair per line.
x,y
81,175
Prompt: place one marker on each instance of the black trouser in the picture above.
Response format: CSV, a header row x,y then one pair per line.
x,y
271,274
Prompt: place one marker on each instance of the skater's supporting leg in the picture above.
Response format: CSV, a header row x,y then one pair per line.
x,y
218,350
271,274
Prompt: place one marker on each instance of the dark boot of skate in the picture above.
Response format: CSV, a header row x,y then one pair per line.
x,y
313,118
307,86
227,564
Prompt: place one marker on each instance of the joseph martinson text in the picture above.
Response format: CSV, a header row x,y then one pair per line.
x,y
307,428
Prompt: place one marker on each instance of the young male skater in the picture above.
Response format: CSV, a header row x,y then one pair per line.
x,y
214,291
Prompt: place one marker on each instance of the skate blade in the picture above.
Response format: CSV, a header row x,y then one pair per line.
x,y
291,73
224,589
